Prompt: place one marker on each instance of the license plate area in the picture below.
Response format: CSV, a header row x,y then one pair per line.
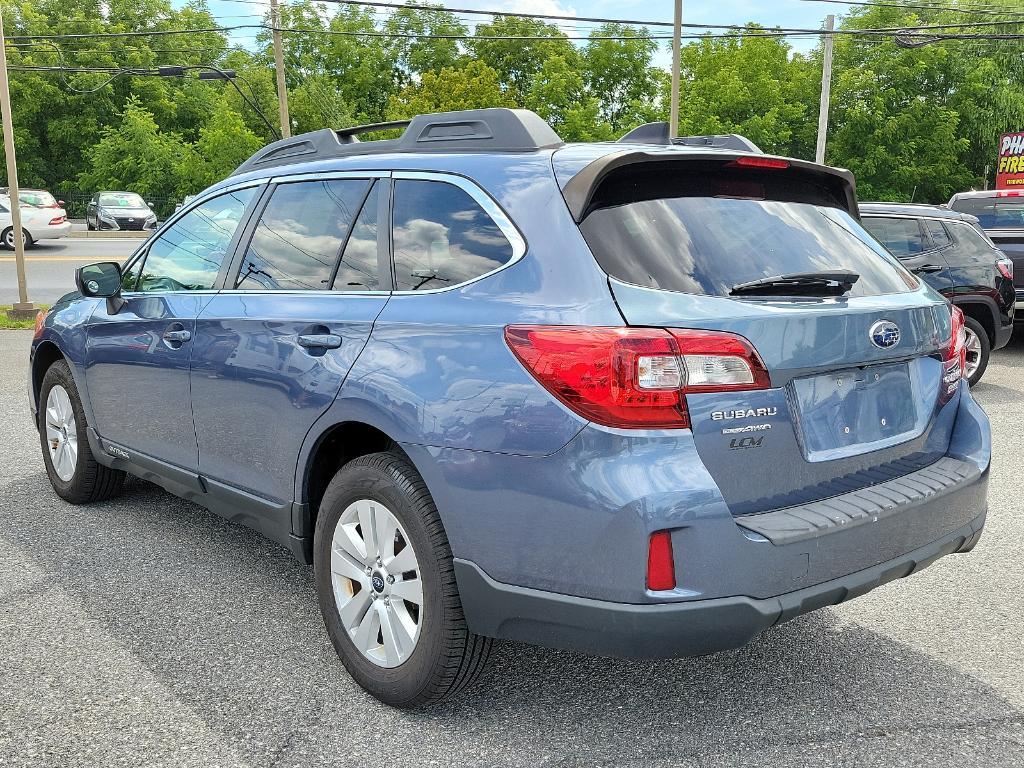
x,y
855,410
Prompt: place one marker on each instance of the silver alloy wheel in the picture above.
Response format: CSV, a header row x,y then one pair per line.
x,y
973,344
9,238
377,586
61,433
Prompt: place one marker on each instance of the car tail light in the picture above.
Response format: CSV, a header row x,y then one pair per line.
x,y
635,377
954,363
661,567
1005,267
57,220
1009,194
771,163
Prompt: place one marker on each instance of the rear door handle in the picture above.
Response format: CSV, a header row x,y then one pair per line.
x,y
177,336
928,268
319,340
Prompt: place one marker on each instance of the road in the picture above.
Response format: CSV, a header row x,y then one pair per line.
x,y
146,632
50,265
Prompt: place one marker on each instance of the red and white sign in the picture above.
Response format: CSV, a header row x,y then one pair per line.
x,y
1010,168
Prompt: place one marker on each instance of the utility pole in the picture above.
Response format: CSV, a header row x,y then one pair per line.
x,y
282,91
826,89
24,308
677,33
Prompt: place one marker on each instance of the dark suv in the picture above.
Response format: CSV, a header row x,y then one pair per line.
x,y
953,255
1001,215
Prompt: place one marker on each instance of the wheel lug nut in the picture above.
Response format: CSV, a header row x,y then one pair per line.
x,y
379,561
391,579
387,601
369,570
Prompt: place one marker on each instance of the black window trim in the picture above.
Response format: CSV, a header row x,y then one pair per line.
x,y
231,276
490,206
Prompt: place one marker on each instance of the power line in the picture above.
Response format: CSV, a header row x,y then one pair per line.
x,y
991,10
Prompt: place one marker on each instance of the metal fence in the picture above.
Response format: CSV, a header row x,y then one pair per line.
x,y
75,201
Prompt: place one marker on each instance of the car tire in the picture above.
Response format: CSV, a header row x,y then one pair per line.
x,y
7,237
977,344
88,225
74,473
441,655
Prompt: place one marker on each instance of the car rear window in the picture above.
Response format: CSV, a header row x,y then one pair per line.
x,y
700,236
993,212
902,237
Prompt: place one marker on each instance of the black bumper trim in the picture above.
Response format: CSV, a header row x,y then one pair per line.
x,y
667,630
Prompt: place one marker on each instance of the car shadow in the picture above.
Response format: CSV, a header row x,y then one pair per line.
x,y
228,623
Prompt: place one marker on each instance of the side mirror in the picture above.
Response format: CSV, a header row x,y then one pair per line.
x,y
61,203
101,280
149,203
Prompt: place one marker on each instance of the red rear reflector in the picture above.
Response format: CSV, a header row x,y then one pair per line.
x,y
955,363
661,569
635,377
1005,267
753,161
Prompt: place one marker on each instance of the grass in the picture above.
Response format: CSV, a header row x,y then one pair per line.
x,y
6,324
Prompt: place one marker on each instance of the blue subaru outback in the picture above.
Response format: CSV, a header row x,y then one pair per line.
x,y
645,398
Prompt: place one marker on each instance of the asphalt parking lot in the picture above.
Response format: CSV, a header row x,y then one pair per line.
x,y
51,265
147,632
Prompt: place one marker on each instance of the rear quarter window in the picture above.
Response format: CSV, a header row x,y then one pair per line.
x,y
902,237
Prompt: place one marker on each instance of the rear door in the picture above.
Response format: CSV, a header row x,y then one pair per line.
x,y
855,379
273,348
918,244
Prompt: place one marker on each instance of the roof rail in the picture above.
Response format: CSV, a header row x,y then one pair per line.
x,y
483,130
658,133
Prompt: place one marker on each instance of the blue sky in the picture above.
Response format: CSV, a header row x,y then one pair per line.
x,y
785,13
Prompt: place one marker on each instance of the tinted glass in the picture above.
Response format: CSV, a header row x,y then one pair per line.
x,y
936,232
994,212
971,242
300,234
121,200
188,255
358,270
902,237
442,236
707,245
37,198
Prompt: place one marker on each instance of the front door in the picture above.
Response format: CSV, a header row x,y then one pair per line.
x,y
137,359
272,350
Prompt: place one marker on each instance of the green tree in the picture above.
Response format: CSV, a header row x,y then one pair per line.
x,y
559,94
516,61
619,74
431,53
136,155
753,86
224,143
474,86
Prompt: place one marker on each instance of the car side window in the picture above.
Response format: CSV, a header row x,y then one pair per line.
x,y
901,237
359,269
442,237
300,234
971,242
188,255
938,234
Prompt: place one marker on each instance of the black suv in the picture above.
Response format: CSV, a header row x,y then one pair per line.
x,y
951,253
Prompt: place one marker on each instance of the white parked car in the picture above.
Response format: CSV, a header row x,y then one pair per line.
x,y
38,222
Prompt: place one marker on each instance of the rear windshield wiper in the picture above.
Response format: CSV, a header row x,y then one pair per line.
x,y
802,284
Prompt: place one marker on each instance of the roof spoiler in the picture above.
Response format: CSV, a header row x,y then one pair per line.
x,y
579,191
496,130
658,134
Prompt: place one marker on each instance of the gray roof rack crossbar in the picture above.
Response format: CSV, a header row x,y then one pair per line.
x,y
482,130
657,133
348,135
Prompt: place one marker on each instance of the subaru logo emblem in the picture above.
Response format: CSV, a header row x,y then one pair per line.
x,y
884,334
377,581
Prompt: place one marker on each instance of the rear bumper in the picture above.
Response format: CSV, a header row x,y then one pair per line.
x,y
669,630
50,231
